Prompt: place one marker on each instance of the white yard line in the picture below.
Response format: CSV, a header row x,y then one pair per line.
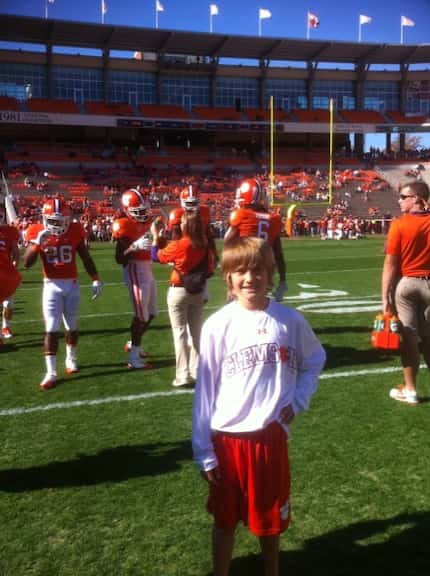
x,y
148,395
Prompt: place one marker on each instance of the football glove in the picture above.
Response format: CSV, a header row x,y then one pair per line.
x,y
41,237
280,291
97,289
143,243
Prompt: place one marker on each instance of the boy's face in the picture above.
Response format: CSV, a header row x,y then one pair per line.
x,y
249,287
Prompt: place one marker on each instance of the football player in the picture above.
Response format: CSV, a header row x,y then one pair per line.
x,y
9,275
58,239
133,230
251,217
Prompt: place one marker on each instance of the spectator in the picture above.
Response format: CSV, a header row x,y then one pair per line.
x,y
185,309
406,283
259,367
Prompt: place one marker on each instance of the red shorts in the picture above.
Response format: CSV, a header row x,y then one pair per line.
x,y
255,481
10,279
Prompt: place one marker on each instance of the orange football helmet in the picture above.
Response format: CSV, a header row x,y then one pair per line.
x,y
251,193
56,216
190,199
135,205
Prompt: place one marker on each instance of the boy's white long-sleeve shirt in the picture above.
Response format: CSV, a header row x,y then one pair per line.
x,y
253,363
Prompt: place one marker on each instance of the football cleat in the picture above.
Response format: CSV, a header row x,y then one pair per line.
x,y
6,333
127,348
135,362
56,216
71,366
50,381
135,205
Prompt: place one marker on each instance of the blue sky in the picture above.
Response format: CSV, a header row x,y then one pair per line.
x,y
338,20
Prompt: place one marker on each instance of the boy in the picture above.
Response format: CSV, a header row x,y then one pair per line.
x,y
259,366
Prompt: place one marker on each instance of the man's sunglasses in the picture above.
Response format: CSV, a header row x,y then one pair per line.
x,y
403,196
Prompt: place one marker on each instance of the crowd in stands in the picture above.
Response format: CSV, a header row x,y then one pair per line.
x,y
93,192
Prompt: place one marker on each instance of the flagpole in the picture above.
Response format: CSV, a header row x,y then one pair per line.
x,y
156,15
307,26
210,21
259,25
46,9
102,10
401,32
359,29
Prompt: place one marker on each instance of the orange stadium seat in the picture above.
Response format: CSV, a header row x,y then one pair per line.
x,y
363,116
109,108
262,115
208,113
311,115
163,111
47,105
400,118
9,103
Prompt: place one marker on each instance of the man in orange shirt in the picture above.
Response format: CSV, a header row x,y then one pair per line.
x,y
406,283
58,239
251,218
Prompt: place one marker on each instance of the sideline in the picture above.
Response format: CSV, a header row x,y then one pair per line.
x,y
148,395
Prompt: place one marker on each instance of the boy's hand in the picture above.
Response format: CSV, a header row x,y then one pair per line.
x,y
287,415
212,476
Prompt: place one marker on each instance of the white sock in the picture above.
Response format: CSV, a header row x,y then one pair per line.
x,y
51,364
70,352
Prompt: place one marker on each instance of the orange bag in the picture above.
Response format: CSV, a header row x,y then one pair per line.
x,y
386,332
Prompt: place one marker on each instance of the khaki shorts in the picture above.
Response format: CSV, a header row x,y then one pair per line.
x,y
412,300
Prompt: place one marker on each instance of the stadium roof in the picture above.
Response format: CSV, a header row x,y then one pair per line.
x,y
42,31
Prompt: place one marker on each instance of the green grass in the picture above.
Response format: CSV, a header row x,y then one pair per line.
x,y
109,487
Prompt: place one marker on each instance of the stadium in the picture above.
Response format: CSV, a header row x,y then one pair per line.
x,y
96,477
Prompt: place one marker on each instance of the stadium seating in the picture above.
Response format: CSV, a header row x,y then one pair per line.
x,y
400,118
163,111
208,113
363,116
109,108
262,115
9,103
55,106
316,115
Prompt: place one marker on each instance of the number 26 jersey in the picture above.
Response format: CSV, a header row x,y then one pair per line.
x,y
58,253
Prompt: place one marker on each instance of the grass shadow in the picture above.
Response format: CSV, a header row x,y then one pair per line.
x,y
396,546
112,465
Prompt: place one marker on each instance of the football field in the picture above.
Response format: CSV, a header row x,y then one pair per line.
x,y
96,475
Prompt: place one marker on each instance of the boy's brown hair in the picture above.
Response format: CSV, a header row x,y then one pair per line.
x,y
247,253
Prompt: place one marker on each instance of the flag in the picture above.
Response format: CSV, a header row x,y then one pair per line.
x,y
51,1
137,55
214,10
104,7
264,13
313,20
159,7
406,21
365,19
